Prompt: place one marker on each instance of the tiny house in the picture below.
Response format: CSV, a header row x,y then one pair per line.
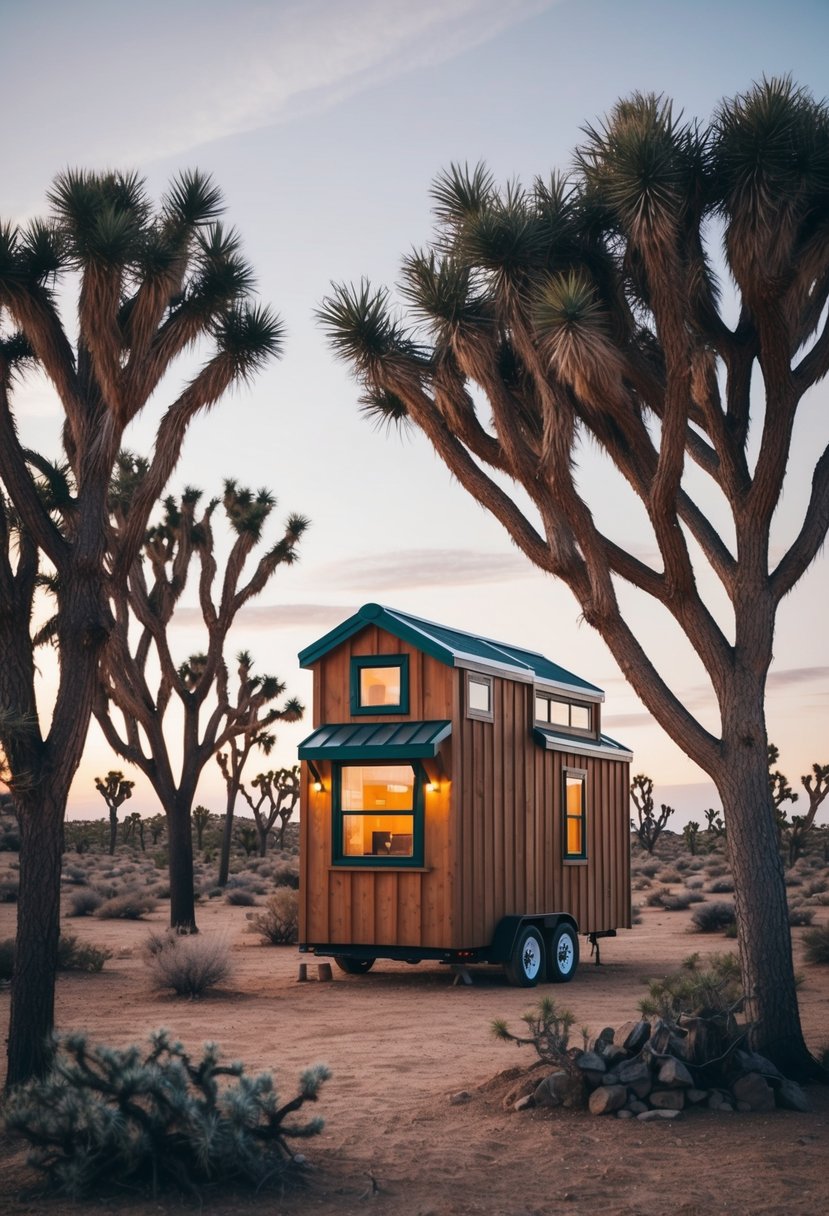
x,y
459,802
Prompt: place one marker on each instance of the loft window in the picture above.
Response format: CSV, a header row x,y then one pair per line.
x,y
380,684
479,696
576,716
575,815
378,815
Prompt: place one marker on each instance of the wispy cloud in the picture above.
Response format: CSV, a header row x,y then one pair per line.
x,y
275,616
796,677
191,73
411,568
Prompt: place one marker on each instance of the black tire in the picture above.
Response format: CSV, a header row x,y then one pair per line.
x,y
563,955
526,963
353,966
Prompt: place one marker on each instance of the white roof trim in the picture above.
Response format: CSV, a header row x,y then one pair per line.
x,y
572,690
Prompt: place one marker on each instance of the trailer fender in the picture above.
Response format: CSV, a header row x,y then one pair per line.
x,y
508,928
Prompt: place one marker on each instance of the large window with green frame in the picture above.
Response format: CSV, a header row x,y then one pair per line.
x,y
378,814
575,814
379,684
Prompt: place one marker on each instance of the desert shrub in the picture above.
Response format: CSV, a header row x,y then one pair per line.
x,y
677,901
156,1117
278,922
128,905
793,879
816,943
713,918
694,882
80,956
656,899
649,868
713,984
240,897
548,1030
668,876
72,956
189,965
286,876
8,892
799,915
721,886
76,875
815,886
84,903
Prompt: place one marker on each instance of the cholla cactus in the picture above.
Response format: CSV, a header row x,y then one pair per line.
x,y
155,1117
549,1030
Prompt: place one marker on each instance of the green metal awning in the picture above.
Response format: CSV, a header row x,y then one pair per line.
x,y
375,741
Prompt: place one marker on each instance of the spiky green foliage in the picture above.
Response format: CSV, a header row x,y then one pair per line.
x,y
712,984
548,1030
157,1118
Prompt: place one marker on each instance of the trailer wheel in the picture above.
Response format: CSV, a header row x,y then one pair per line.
x,y
564,954
526,964
353,966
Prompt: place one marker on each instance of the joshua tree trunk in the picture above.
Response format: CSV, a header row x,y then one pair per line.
x,y
36,950
180,844
227,838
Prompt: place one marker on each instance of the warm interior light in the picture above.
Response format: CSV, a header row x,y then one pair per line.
x,y
431,786
318,786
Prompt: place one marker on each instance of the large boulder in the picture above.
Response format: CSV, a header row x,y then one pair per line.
x,y
607,1098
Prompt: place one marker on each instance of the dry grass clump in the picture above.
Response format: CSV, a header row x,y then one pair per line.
x,y
816,943
8,891
278,923
240,897
713,918
721,886
800,915
84,902
128,905
188,964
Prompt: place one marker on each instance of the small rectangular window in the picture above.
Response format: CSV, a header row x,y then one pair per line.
x,y
380,684
478,696
575,815
575,716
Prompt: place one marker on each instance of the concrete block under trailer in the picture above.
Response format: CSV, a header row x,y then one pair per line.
x,y
540,948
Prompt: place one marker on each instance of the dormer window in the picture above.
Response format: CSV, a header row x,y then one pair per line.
x,y
479,696
380,684
577,717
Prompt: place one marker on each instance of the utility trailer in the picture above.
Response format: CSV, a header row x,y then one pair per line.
x,y
459,803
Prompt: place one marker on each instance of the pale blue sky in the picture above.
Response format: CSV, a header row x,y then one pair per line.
x,y
325,122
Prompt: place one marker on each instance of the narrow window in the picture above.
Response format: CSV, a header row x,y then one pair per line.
x,y
378,816
478,696
380,684
575,815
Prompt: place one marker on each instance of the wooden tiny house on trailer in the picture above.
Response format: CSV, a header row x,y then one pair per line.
x,y
459,802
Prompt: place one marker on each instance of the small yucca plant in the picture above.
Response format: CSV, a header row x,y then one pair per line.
x,y
155,1117
548,1026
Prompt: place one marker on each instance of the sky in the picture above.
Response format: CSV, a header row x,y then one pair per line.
x,y
325,122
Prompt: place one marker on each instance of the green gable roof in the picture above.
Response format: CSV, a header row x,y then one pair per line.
x,y
452,647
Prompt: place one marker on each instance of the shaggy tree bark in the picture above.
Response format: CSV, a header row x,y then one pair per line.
x,y
587,310
130,714
151,283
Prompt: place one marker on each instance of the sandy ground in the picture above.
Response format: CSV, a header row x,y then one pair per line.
x,y
401,1041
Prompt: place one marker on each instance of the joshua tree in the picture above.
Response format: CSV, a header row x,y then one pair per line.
x,y
134,826
816,785
131,715
201,818
586,311
690,834
257,733
248,838
156,826
278,795
647,826
151,282
115,790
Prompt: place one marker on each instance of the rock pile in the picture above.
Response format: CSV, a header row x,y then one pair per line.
x,y
652,1070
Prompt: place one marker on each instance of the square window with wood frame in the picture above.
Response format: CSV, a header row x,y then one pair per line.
x,y
378,816
479,696
575,815
380,684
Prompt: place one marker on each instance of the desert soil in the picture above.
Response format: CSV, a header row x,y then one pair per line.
x,y
402,1042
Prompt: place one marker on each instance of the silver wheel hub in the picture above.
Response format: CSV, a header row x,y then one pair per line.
x,y
531,958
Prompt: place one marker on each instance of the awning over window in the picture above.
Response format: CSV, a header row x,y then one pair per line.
x,y
604,746
375,741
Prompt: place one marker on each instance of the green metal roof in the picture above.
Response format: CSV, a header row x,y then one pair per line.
x,y
450,646
604,746
375,741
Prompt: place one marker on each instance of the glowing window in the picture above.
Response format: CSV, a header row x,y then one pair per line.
x,y
378,815
380,684
575,815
